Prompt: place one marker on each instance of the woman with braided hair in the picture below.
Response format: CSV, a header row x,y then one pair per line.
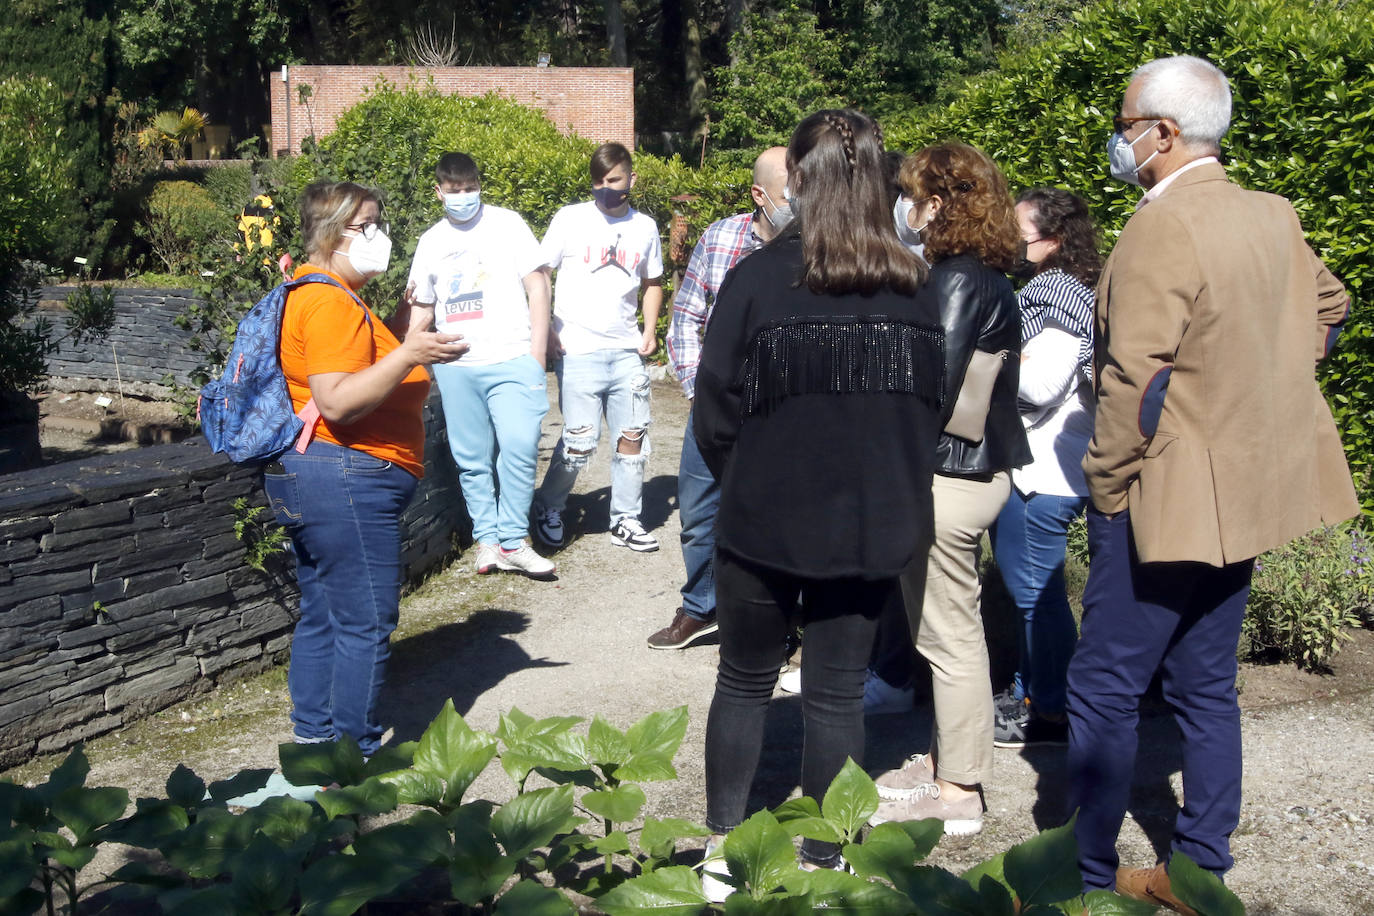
x,y
963,211
817,407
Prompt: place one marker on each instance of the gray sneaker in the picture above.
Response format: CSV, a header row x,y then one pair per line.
x,y
895,785
962,818
524,560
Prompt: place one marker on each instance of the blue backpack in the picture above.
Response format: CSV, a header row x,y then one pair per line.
x,y
247,412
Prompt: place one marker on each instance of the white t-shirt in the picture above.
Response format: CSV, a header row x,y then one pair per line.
x,y
600,261
1061,423
474,275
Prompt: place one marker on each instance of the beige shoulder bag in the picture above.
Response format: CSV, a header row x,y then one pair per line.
x,y
970,415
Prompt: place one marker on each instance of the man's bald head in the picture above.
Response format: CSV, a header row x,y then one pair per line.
x,y
770,170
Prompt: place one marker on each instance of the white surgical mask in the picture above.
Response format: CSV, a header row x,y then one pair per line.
x,y
901,211
462,205
368,256
781,215
1121,155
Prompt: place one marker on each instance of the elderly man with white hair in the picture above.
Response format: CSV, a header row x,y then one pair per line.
x,y
1212,444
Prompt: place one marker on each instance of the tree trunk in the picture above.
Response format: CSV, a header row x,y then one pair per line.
x,y
735,11
615,33
694,75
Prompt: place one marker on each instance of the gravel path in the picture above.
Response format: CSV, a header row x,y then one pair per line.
x,y
577,646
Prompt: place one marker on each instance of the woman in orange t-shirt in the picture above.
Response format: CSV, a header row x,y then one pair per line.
x,y
341,499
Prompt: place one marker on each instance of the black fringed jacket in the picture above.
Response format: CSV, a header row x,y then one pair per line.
x,y
819,414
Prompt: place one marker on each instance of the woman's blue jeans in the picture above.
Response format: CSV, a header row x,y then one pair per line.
x,y
1029,542
342,508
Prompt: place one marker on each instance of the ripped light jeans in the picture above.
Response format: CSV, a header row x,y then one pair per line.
x,y
616,384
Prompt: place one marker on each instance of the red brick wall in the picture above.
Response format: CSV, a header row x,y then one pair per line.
x,y
596,103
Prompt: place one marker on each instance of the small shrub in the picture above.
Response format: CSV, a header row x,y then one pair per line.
x,y
1306,593
184,225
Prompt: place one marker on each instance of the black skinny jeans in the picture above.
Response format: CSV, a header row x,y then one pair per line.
x,y
756,609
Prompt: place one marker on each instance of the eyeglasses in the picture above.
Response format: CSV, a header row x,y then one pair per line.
x,y
369,229
1121,125
1038,238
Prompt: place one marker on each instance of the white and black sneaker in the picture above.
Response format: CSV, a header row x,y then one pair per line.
x,y
548,526
628,532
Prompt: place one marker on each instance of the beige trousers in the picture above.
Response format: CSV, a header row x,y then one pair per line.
x,y
944,609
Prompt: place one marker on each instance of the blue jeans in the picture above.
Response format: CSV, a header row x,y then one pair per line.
x,y
493,415
616,384
1183,620
1029,542
342,508
698,499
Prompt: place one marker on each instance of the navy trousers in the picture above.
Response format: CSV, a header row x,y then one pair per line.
x,y
1183,620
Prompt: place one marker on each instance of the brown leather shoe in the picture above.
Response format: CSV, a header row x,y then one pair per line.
x,y
1150,885
683,631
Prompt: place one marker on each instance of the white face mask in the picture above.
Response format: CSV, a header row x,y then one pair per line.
x,y
368,256
901,215
1121,155
462,205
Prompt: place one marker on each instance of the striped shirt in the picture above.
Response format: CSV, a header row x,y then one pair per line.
x,y
1057,300
720,248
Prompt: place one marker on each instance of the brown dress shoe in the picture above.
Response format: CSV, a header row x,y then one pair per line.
x,y
683,631
1150,885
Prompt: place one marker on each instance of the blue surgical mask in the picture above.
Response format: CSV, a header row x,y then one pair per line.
x,y
1121,155
462,206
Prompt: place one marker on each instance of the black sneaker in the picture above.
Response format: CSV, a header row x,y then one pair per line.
x,y
1006,704
1032,731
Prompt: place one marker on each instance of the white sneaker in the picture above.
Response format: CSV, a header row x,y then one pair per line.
x,y
548,526
881,698
628,532
524,560
486,558
713,871
790,682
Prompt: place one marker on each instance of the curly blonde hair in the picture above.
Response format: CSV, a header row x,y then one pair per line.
x,y
976,216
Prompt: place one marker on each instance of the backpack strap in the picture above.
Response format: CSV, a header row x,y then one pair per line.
x,y
310,411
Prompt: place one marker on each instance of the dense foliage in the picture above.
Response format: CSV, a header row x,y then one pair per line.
x,y
1303,79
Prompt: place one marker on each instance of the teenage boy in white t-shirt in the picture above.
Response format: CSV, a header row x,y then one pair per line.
x,y
607,254
481,268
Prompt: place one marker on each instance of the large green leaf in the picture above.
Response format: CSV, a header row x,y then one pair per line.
x,y
185,788
646,767
205,849
419,841
516,726
532,819
612,844
1107,903
803,806
925,833
154,822
82,810
290,822
29,900
886,851
851,799
210,901
1200,889
73,857
22,806
995,897
322,764
759,853
17,866
339,885
607,745
659,732
618,805
1044,869
70,774
477,868
264,877
840,892
416,788
938,892
530,898
671,891
659,836
452,751
370,797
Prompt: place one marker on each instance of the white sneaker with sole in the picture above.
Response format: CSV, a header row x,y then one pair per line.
x,y
790,681
628,532
962,818
486,558
713,869
524,560
915,771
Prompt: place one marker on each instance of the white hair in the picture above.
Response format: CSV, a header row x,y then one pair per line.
x,y
1189,91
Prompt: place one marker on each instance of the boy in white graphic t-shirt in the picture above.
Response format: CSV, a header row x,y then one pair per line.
x,y
481,268
607,254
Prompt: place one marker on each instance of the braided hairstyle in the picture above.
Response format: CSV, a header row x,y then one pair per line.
x,y
837,171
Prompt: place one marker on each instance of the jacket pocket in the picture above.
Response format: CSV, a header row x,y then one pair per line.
x,y
1173,504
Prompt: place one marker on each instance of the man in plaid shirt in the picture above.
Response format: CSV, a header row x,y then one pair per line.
x,y
720,247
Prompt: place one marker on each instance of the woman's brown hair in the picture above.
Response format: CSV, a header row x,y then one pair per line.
x,y
976,213
836,170
1063,216
327,207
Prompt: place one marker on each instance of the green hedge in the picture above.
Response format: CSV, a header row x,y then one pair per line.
x,y
394,137
1303,79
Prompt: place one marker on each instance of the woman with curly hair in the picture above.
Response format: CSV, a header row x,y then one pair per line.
x,y
963,211
1057,407
818,409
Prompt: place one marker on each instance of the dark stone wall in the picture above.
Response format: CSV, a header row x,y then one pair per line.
x,y
144,345
123,587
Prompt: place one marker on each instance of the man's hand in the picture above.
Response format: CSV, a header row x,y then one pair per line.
x,y
649,343
555,347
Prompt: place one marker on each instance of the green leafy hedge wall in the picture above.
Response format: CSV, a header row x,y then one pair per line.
x,y
1302,74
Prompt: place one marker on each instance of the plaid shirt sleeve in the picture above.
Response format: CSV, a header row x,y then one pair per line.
x,y
720,247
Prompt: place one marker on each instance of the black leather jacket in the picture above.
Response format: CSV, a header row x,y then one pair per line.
x,y
978,311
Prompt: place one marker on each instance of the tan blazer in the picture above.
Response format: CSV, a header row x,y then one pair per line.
x,y
1211,313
